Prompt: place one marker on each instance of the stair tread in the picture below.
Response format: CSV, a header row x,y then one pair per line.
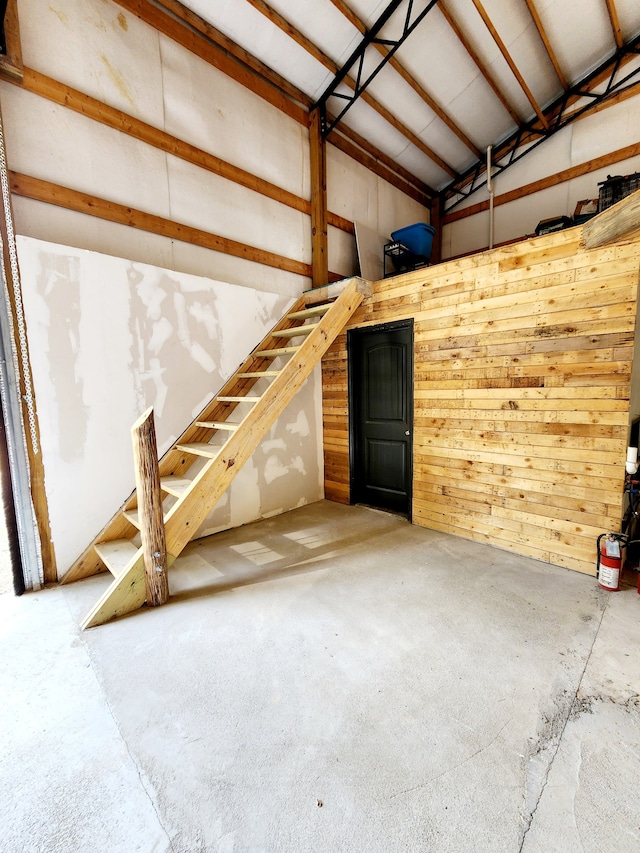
x,y
117,554
200,448
278,351
133,516
257,374
176,486
218,425
296,331
316,310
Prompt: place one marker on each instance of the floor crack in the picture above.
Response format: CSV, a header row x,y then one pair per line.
x,y
547,772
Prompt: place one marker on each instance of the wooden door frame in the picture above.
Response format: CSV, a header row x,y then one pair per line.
x,y
352,404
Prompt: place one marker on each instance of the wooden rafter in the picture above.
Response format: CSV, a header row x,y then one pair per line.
x,y
318,54
490,80
11,61
547,44
406,75
509,60
615,22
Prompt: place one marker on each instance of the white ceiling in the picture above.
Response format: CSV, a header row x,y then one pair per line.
x,y
580,33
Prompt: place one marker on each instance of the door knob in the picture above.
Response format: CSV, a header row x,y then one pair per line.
x,y
407,432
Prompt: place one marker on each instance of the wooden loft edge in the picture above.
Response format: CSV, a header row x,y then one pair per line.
x,y
221,58
332,291
619,222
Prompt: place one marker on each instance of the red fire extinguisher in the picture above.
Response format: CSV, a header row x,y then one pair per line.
x,y
609,567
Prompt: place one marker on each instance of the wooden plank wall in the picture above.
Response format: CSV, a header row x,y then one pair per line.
x,y
522,382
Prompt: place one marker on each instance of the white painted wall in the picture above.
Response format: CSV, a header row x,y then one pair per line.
x,y
108,338
599,134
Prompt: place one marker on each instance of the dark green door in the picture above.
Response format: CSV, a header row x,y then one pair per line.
x,y
381,415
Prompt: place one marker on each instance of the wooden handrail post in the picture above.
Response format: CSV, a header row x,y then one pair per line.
x,y
145,457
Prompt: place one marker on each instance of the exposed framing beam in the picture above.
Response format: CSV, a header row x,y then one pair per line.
x,y
318,169
550,181
395,63
615,23
60,93
509,60
559,114
482,68
50,193
547,44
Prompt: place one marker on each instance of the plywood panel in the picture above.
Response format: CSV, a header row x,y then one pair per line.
x,y
522,381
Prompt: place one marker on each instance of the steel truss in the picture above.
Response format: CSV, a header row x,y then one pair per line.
x,y
559,114
357,59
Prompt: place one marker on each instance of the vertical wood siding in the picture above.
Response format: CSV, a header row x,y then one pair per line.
x,y
522,382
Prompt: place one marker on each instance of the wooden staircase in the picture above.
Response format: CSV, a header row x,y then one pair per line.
x,y
197,470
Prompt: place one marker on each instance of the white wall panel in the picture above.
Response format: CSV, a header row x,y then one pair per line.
x,y
53,143
109,338
98,48
215,204
219,115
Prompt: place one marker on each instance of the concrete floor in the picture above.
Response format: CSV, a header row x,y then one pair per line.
x,y
333,679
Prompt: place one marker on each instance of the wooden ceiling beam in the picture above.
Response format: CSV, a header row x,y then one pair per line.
x,y
615,22
408,78
311,48
547,44
464,41
509,60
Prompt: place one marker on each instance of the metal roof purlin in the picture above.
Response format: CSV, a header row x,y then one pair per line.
x,y
357,57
